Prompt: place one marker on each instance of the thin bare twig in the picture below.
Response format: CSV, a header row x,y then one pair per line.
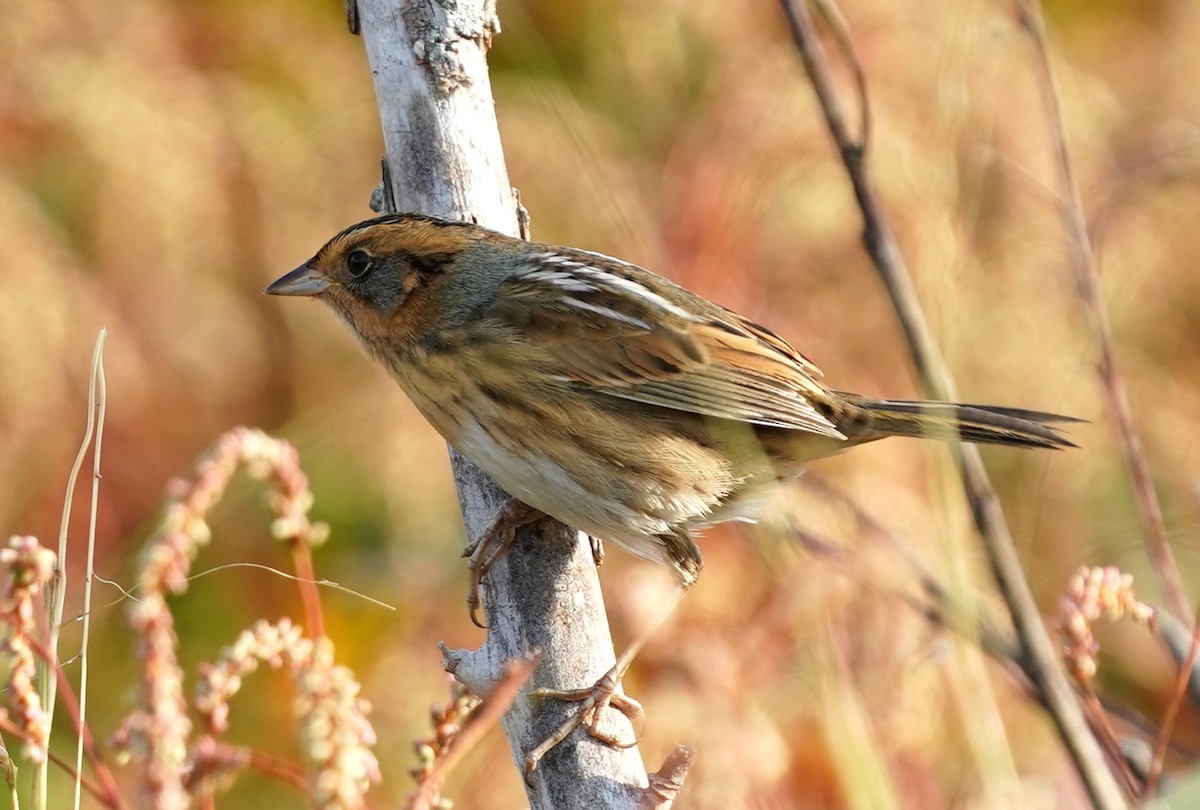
x,y
841,36
1037,649
1168,721
1087,277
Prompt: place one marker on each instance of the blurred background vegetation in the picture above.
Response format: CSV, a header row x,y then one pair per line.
x,y
161,162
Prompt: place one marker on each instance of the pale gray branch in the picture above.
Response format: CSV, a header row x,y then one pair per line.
x,y
429,65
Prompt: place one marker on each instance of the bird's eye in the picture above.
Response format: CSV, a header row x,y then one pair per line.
x,y
358,263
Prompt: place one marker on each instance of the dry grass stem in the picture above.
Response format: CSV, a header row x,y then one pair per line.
x,y
56,590
97,393
107,784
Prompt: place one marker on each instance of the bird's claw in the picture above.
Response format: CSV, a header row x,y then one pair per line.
x,y
593,700
484,551
473,602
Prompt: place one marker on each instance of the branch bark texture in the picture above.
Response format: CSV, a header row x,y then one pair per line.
x,y
428,63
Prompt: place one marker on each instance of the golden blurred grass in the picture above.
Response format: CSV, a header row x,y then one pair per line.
x,y
161,162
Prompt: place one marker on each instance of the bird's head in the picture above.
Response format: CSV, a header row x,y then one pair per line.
x,y
383,276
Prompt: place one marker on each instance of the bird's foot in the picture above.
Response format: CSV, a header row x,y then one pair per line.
x,y
593,700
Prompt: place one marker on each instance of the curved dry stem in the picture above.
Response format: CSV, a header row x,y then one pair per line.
x,y
99,391
56,590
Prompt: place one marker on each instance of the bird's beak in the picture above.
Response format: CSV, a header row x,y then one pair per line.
x,y
304,280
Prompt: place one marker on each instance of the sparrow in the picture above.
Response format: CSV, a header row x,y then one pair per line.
x,y
601,394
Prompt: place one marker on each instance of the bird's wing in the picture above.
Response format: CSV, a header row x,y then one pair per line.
x,y
625,332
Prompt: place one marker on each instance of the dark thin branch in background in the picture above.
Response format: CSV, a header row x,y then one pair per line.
x,y
1087,276
1038,651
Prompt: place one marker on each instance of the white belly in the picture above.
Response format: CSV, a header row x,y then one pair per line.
x,y
543,484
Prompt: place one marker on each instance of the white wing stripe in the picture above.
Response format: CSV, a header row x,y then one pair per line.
x,y
576,276
633,288
561,280
608,313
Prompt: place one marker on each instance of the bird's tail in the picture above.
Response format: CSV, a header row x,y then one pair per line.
x,y
871,419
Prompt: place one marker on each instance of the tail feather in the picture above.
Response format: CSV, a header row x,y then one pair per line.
x,y
876,418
